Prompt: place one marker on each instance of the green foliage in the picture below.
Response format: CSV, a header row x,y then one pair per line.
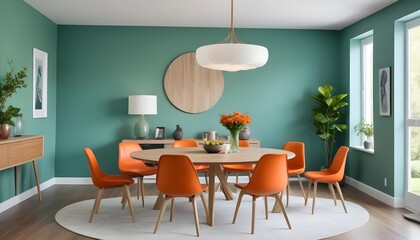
x,y
9,85
364,128
327,114
415,144
415,173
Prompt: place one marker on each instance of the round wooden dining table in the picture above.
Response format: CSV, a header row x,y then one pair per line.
x,y
198,155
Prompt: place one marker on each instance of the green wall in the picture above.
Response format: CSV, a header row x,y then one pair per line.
x,y
99,67
21,29
388,160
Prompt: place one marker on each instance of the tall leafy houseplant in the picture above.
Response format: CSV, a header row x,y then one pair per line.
x,y
9,83
327,117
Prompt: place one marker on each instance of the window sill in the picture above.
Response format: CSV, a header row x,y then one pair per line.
x,y
362,149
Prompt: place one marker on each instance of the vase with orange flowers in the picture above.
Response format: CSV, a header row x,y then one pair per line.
x,y
234,122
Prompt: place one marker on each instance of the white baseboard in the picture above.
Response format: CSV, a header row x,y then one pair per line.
x,y
73,181
25,195
383,197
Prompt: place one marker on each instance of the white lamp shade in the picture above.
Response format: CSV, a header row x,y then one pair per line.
x,y
142,104
232,56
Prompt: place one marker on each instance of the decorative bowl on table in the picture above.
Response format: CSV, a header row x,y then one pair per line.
x,y
212,146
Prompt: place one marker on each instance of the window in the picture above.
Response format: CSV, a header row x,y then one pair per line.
x,y
361,90
367,80
413,105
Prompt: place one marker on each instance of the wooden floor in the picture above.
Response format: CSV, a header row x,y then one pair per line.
x,y
34,220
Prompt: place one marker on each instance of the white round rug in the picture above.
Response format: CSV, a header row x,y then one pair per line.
x,y
112,222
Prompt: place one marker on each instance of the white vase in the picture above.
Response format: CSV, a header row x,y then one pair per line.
x,y
368,144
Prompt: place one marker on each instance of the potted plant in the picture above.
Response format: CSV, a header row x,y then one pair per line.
x,y
367,130
327,118
9,83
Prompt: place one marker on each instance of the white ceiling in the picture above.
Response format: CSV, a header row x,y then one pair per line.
x,y
292,14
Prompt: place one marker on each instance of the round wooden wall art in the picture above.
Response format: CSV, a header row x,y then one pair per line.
x,y
190,87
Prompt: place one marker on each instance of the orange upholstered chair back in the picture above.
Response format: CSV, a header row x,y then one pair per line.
x,y
125,161
95,171
298,162
339,162
270,175
185,143
243,143
176,176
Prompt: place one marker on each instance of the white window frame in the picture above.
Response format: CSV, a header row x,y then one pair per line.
x,y
363,95
411,199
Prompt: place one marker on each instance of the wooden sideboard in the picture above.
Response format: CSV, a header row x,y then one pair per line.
x,y
16,151
167,143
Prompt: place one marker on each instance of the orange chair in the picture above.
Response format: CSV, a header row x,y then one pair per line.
x,y
192,143
103,181
132,167
331,176
268,180
238,168
296,165
176,177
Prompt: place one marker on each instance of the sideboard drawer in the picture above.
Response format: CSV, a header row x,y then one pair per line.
x,y
16,151
3,156
20,152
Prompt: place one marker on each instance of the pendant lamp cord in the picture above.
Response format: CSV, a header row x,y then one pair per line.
x,y
232,36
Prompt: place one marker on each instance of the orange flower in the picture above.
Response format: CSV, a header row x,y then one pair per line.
x,y
235,121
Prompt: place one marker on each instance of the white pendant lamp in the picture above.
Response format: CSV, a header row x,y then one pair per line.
x,y
230,54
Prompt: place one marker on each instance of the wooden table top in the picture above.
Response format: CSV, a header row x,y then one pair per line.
x,y
199,156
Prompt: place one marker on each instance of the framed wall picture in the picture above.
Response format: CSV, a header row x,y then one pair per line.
x,y
385,91
160,133
40,83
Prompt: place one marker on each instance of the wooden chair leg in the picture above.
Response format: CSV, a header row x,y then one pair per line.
x,y
95,204
283,210
287,191
123,200
172,209
206,209
142,191
314,197
197,224
241,194
205,177
330,186
266,207
99,200
138,188
341,195
254,198
162,211
301,187
308,191
237,178
128,196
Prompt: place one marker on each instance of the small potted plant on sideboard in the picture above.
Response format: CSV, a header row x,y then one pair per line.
x,y
367,130
9,83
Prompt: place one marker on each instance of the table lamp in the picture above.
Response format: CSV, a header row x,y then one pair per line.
x,y
142,105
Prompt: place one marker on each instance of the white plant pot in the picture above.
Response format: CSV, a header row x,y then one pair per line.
x,y
368,144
